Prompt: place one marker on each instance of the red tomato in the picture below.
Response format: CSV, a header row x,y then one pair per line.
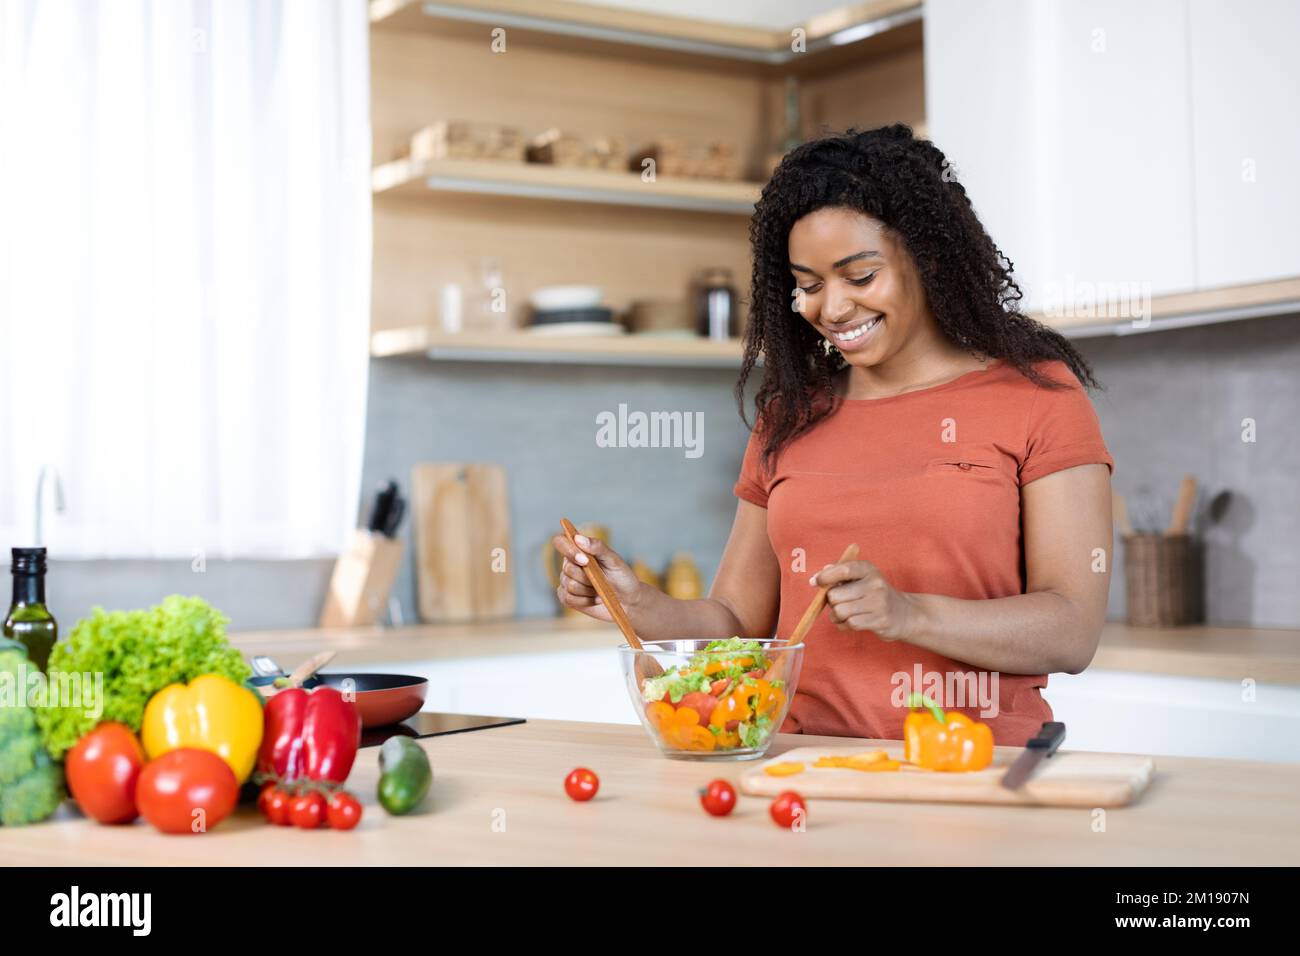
x,y
788,809
343,811
264,799
719,798
307,810
187,791
756,674
277,807
701,703
103,769
718,686
581,784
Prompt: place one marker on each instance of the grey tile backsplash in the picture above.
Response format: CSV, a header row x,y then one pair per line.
x,y
1173,404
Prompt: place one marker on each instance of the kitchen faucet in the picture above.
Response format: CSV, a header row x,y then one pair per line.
x,y
52,473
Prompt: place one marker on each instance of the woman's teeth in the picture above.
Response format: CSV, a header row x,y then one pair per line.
x,y
854,334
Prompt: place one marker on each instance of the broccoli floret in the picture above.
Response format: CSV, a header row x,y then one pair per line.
x,y
31,784
35,796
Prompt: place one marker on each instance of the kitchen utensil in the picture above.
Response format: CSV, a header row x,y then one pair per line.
x,y
716,316
1146,510
647,666
462,542
690,739
394,519
363,579
383,506
818,602
309,667
557,298
1119,512
1163,580
1045,743
1069,779
381,699
1183,506
777,670
425,724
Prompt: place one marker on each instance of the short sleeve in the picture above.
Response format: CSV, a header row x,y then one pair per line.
x,y
1062,430
751,486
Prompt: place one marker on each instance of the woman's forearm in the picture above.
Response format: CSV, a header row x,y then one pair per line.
x,y
1036,633
658,617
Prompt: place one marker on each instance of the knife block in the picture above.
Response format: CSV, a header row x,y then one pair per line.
x,y
362,580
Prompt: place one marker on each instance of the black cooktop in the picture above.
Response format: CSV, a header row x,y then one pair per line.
x,y
426,724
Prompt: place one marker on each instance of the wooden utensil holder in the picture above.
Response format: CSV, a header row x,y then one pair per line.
x,y
1163,580
362,581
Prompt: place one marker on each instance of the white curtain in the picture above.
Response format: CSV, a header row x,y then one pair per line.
x,y
184,273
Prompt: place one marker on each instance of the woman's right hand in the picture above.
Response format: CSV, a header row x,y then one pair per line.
x,y
575,589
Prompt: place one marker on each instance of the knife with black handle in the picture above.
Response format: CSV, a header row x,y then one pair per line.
x,y
1050,736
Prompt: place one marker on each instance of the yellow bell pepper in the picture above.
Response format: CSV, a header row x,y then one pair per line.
x,y
210,713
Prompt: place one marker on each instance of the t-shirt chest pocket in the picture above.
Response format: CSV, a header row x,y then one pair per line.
x,y
975,467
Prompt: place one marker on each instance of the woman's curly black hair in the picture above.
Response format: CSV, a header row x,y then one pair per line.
x,y
906,184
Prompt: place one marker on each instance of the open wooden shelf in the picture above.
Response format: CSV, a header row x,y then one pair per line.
x,y
520,346
568,25
411,178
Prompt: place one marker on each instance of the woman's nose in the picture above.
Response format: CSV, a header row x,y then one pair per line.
x,y
838,307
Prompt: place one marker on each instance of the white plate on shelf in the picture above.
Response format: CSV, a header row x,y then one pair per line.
x,y
603,329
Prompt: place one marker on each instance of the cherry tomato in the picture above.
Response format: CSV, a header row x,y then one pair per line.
x,y
263,798
719,798
186,791
787,809
307,810
343,811
103,769
581,784
701,703
277,807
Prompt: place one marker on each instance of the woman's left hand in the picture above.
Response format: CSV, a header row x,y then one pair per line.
x,y
861,599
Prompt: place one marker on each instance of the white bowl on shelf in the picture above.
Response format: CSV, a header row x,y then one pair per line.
x,y
561,298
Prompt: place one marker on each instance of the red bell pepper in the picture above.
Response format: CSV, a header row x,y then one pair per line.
x,y
309,735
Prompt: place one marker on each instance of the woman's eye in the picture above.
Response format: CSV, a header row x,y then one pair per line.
x,y
864,280
810,290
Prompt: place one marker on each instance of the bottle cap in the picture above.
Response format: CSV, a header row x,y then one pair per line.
x,y
27,560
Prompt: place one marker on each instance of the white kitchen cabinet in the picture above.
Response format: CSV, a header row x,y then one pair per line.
x,y
1118,149
1245,91
1157,714
1103,710
1068,124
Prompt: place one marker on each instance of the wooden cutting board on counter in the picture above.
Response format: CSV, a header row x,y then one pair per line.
x,y
464,569
1066,779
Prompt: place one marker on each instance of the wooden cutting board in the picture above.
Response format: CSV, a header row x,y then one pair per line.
x,y
464,569
1066,779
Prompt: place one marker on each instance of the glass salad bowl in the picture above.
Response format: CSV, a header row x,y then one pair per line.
x,y
712,699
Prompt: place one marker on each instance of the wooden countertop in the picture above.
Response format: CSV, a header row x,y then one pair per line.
x,y
1196,812
1231,653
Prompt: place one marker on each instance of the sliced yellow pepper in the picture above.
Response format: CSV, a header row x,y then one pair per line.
x,y
210,713
786,769
871,760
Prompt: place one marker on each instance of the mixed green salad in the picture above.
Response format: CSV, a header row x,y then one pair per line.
x,y
720,699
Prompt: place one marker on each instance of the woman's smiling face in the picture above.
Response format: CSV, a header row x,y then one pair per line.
x,y
857,285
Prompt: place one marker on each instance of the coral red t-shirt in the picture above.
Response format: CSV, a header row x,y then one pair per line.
x,y
928,485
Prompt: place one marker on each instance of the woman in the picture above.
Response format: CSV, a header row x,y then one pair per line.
x,y
908,407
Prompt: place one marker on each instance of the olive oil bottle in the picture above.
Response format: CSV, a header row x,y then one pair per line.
x,y
30,621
